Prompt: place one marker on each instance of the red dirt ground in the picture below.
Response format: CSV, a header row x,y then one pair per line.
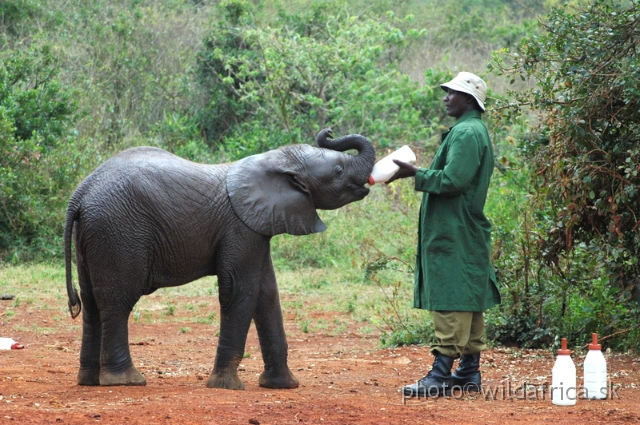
x,y
345,378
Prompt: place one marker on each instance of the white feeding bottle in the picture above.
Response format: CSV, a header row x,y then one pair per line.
x,y
384,169
10,344
563,378
595,371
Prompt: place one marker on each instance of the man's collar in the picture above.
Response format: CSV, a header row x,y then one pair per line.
x,y
474,113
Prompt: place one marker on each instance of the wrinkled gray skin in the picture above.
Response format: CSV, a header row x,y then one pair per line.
x,y
147,219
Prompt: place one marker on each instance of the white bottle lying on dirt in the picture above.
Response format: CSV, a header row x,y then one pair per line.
x,y
10,344
384,169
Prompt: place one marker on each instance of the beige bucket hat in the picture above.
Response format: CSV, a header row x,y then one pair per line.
x,y
469,83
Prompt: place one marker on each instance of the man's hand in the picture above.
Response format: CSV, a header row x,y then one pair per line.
x,y
406,170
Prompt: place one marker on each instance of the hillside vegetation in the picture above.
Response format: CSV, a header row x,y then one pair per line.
x,y
214,81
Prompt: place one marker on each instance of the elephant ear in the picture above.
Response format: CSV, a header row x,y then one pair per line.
x,y
270,198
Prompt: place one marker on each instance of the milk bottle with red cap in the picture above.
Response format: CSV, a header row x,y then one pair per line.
x,y
10,344
595,371
563,378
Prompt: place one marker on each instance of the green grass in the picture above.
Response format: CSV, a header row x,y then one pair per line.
x,y
309,295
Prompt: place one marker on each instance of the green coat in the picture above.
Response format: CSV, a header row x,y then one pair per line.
x,y
453,267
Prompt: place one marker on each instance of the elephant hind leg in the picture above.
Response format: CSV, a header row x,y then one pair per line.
x,y
89,372
116,366
104,354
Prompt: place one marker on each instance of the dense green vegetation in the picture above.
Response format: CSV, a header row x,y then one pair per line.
x,y
218,80
585,159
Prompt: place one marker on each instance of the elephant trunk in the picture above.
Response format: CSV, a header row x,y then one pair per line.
x,y
366,152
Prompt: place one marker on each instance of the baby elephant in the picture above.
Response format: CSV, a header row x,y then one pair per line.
x,y
147,219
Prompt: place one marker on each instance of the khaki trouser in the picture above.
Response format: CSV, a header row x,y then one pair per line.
x,y
458,332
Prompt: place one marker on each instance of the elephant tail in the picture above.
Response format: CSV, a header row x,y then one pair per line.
x,y
75,306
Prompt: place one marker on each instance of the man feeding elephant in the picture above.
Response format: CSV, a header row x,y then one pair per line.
x,y
453,275
147,219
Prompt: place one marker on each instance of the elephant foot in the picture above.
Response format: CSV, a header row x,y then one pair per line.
x,y
225,380
89,377
284,380
130,377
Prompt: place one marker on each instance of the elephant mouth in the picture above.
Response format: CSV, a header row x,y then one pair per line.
x,y
356,193
364,192
360,192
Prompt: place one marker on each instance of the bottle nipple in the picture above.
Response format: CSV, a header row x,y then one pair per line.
x,y
564,351
594,342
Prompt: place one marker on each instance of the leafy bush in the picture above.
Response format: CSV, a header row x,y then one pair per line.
x,y
274,85
36,152
14,16
585,158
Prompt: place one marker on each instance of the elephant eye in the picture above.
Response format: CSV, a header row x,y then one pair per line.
x,y
339,169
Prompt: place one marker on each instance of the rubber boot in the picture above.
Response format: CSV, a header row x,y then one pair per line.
x,y
467,375
436,383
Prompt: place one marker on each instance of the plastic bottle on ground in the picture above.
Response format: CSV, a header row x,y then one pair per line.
x,y
595,371
563,378
10,344
384,169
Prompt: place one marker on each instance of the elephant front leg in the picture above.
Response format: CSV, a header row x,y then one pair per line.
x,y
273,341
233,336
238,288
248,290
